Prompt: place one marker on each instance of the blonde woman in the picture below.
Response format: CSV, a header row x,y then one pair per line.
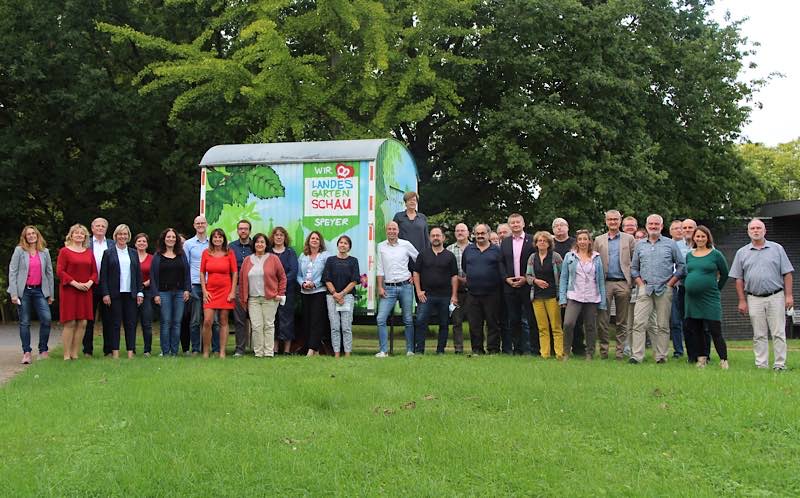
x,y
77,273
121,288
544,266
30,285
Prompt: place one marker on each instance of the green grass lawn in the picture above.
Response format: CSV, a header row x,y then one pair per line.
x,y
421,426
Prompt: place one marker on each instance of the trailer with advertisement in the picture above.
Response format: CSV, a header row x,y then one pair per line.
x,y
346,187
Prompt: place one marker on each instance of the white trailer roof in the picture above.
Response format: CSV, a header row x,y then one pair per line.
x,y
293,152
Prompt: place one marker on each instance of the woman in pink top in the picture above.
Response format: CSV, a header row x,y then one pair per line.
x,y
262,288
30,285
582,290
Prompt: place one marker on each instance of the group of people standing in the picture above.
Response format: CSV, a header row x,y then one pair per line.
x,y
507,283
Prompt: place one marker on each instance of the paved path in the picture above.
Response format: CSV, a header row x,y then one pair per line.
x,y
11,351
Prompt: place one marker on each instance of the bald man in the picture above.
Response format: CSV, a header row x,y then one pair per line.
x,y
763,276
395,256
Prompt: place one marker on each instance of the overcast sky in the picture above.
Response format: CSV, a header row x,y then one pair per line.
x,y
774,24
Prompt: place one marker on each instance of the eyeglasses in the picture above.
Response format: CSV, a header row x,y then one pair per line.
x,y
481,233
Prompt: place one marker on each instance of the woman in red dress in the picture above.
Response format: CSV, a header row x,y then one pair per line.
x,y
218,275
77,273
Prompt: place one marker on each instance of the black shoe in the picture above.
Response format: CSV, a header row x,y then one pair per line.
x,y
661,361
459,352
633,361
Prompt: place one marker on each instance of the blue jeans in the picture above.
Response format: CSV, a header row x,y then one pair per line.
x,y
33,298
676,321
404,293
171,315
441,305
145,317
197,322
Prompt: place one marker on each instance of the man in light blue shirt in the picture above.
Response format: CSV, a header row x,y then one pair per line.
x,y
763,276
656,267
193,248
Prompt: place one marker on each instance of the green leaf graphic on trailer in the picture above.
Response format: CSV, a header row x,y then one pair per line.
x,y
234,187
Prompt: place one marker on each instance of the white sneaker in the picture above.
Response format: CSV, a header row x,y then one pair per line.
x,y
381,354
409,353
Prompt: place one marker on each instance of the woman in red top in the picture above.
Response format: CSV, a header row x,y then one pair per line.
x,y
145,312
218,273
77,272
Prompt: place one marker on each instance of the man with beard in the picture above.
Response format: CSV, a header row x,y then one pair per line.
x,y
482,265
656,267
436,283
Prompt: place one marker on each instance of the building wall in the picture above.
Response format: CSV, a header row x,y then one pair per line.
x,y
783,230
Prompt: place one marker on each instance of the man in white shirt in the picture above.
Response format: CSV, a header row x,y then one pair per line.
x,y
98,245
394,283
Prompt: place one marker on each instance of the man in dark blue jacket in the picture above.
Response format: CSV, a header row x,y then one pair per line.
x,y
516,249
482,264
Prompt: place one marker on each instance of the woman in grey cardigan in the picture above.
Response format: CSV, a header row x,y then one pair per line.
x,y
30,285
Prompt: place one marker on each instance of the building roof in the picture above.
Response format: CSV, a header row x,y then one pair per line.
x,y
780,209
293,152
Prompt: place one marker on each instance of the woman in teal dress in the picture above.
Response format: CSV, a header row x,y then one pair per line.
x,y
706,274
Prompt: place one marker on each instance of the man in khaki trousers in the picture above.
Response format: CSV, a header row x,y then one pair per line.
x,y
616,253
656,267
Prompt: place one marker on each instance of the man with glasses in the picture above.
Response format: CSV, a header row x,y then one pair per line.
x,y
482,265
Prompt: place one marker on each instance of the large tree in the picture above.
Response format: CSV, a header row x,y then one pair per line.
x,y
778,168
584,106
554,107
78,139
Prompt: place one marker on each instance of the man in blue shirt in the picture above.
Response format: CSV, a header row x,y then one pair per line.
x,y
193,248
763,276
616,252
676,315
656,267
483,267
241,249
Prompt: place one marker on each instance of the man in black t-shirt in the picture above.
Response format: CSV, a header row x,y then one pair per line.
x,y
436,283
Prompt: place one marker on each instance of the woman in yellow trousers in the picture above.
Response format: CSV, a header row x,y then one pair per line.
x,y
542,274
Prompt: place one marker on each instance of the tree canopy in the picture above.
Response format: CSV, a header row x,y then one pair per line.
x,y
778,168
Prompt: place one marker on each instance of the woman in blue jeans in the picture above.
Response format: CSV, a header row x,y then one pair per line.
x,y
171,287
30,285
